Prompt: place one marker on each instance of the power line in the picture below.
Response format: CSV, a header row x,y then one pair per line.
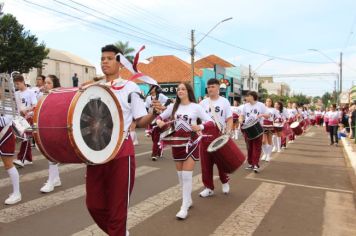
x,y
155,37
103,26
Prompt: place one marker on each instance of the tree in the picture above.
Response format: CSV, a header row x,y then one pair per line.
x,y
328,99
19,49
125,49
300,99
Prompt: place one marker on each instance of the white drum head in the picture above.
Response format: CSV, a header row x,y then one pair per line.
x,y
294,124
218,143
97,124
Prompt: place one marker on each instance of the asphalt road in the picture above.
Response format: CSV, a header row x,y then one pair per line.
x,y
304,190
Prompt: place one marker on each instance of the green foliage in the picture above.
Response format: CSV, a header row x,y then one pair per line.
x,y
19,49
125,49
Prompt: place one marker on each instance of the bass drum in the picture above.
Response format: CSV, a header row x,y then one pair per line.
x,y
79,126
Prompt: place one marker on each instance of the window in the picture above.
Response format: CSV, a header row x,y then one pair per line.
x,y
86,70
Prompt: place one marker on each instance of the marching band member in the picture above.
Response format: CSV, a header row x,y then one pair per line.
x,y
39,88
253,110
236,112
7,152
334,118
155,94
53,180
219,110
318,115
268,131
280,116
292,115
109,185
185,113
326,119
28,102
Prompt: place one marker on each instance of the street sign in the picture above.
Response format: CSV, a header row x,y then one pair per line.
x,y
169,89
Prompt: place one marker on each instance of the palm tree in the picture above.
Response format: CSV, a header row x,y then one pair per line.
x,y
125,49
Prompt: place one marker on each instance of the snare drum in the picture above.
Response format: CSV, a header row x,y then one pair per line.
x,y
175,141
297,127
252,129
227,155
76,126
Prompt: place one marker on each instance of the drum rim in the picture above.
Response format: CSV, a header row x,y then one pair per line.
x,y
36,134
293,123
255,137
70,122
175,138
252,124
210,147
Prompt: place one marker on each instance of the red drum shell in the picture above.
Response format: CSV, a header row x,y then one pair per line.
x,y
297,127
57,143
267,122
229,157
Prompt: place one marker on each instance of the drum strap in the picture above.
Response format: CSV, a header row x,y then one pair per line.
x,y
215,118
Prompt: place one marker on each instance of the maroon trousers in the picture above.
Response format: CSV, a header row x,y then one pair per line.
x,y
108,189
254,148
156,150
25,151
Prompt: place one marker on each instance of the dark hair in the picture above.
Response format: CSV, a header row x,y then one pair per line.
x,y
271,101
253,94
19,78
334,106
191,97
55,81
280,104
42,77
111,48
213,81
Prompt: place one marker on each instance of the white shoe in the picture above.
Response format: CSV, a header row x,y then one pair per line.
x,y
127,233
19,163
274,149
182,214
256,169
154,158
291,141
263,158
226,188
49,187
26,162
268,158
249,167
13,199
207,192
279,150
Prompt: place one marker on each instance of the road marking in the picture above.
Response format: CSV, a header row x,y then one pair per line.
x,y
40,174
339,214
20,211
310,134
247,217
143,210
300,185
35,158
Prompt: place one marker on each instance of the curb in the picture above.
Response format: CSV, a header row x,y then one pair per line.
x,y
350,159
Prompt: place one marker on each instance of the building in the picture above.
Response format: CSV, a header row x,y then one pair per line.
x,y
249,80
63,64
228,74
277,88
167,70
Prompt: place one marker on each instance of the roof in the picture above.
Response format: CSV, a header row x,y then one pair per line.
x,y
164,69
210,61
65,56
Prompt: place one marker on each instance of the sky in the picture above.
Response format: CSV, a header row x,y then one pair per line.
x,y
284,30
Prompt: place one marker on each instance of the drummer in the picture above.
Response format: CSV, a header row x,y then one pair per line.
x,y
268,130
253,110
51,82
7,152
155,93
219,110
236,112
280,118
292,116
28,102
109,185
186,114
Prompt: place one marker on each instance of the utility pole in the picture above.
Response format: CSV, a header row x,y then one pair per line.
x,y
340,72
249,77
192,54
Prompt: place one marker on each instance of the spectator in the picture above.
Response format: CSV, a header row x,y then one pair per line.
x,y
342,132
75,80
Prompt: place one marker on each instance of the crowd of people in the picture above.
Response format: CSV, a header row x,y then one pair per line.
x,y
190,128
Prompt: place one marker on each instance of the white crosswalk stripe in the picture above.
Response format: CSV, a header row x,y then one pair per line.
x,y
247,217
40,174
142,211
22,210
35,158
